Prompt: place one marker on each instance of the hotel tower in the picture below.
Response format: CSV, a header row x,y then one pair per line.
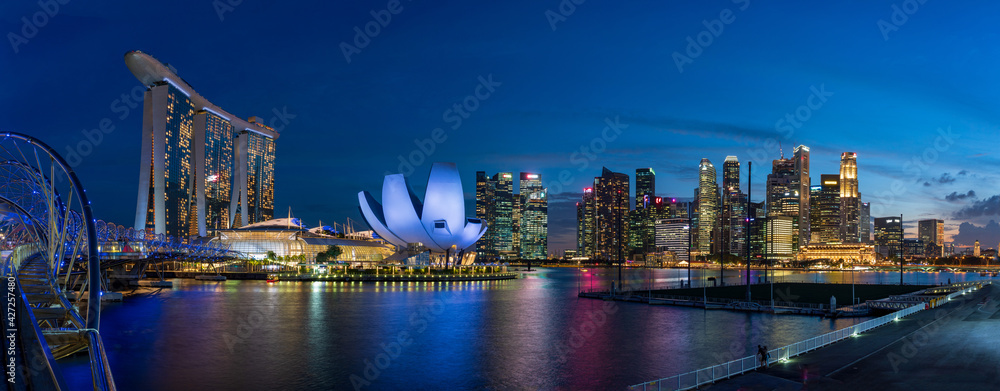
x,y
201,167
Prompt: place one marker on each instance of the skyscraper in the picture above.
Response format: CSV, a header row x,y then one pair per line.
x,y
486,211
642,220
587,226
800,181
782,199
534,214
932,232
850,230
253,190
865,221
611,195
825,212
708,206
503,224
672,235
779,237
201,167
645,187
888,236
733,208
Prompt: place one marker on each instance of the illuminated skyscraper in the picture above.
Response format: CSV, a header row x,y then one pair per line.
x,y
779,237
782,199
642,220
888,236
486,210
850,230
708,206
800,181
733,208
672,235
201,167
587,224
534,217
932,232
611,196
495,205
645,187
253,189
825,212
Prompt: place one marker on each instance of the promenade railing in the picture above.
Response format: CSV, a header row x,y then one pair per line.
x,y
712,374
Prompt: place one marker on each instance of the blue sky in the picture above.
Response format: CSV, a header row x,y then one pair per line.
x,y
912,91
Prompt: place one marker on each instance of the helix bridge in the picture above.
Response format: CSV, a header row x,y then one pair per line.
x,y
56,261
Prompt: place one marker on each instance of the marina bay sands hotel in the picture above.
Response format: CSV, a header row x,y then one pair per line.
x,y
202,168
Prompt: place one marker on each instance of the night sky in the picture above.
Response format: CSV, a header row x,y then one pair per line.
x,y
912,88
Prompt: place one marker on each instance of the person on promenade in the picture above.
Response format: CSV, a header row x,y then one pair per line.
x,y
767,357
761,354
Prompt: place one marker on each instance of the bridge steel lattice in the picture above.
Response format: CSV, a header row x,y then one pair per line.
x,y
48,239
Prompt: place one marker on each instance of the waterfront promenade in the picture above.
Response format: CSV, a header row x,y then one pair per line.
x,y
953,346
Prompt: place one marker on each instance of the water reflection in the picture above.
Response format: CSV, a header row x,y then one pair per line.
x,y
530,333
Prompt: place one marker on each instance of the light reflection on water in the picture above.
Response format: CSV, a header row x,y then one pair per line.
x,y
530,333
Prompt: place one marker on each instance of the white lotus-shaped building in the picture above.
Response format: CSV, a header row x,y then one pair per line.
x,y
439,223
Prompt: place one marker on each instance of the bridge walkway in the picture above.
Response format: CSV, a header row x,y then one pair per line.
x,y
952,346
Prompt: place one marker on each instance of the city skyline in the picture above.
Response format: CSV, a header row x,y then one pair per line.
x,y
568,110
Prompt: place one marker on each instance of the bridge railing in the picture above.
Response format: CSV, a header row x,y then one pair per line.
x,y
708,375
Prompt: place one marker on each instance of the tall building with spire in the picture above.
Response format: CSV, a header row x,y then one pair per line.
x,y
201,168
850,201
782,198
708,206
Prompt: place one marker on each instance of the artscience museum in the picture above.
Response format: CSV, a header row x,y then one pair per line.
x,y
433,231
